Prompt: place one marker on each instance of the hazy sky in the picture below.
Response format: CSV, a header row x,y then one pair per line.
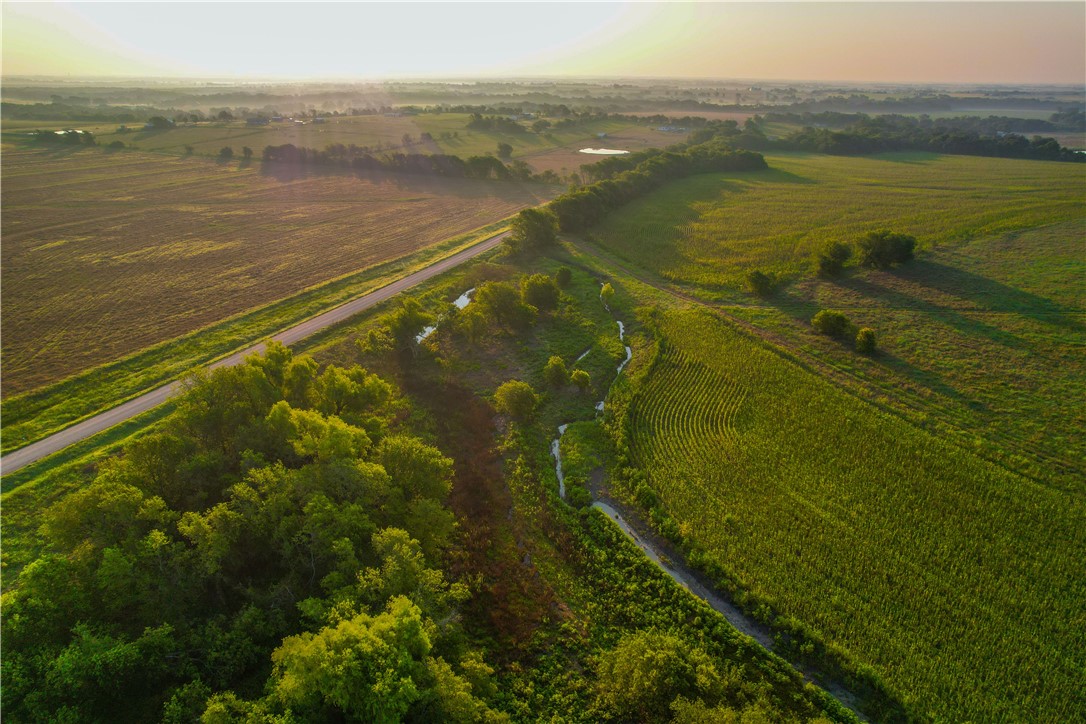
x,y
1006,42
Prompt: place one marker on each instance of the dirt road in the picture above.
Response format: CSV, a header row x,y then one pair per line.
x,y
105,420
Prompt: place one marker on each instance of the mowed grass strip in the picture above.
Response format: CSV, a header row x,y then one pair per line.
x,y
107,255
959,582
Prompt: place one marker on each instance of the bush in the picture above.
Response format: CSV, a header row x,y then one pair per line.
x,y
226,153
866,340
555,373
607,293
516,399
581,379
884,249
563,277
540,291
762,284
832,324
832,258
501,302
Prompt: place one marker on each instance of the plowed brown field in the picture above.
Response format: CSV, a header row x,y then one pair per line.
x,y
107,254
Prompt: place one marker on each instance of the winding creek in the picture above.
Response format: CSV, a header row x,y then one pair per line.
x,y
675,568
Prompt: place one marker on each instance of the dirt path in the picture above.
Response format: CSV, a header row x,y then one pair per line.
x,y
105,420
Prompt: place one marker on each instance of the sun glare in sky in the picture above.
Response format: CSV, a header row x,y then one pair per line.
x,y
1012,42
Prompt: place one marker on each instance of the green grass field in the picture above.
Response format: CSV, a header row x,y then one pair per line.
x,y
554,150
958,582
981,337
710,229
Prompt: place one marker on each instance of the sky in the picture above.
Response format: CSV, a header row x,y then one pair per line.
x,y
916,42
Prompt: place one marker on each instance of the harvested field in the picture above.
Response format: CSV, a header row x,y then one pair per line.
x,y
107,254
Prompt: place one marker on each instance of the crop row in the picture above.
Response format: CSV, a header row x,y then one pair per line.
x,y
958,582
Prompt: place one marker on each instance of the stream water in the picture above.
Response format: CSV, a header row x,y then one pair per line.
x,y
679,572
460,302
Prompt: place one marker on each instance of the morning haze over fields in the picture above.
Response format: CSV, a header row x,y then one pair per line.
x,y
655,362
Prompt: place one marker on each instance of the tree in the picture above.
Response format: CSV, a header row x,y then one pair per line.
x,y
555,372
762,284
159,123
534,229
580,378
246,152
226,153
832,323
505,150
516,399
866,340
540,291
188,150
883,249
541,125
647,670
607,293
366,668
563,276
502,302
832,258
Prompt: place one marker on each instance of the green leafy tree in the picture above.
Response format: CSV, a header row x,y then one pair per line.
x,y
534,229
226,153
832,323
555,372
761,283
832,258
607,293
365,668
502,302
516,399
884,249
540,291
581,379
505,150
563,277
866,340
647,670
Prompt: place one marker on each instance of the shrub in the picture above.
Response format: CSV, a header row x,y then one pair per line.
x,y
226,153
607,293
581,379
832,258
540,291
883,248
832,323
555,373
501,302
866,340
762,284
563,277
516,399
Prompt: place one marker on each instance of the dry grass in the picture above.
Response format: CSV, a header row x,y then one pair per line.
x,y
107,254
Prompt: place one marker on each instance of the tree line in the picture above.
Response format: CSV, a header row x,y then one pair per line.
x,y
580,208
880,134
352,158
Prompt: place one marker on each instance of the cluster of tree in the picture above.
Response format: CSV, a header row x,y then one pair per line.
x,y
266,553
339,156
501,124
67,138
580,208
833,323
879,134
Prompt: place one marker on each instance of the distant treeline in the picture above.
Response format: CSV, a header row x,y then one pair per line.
x,y
1068,119
879,134
622,179
358,160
